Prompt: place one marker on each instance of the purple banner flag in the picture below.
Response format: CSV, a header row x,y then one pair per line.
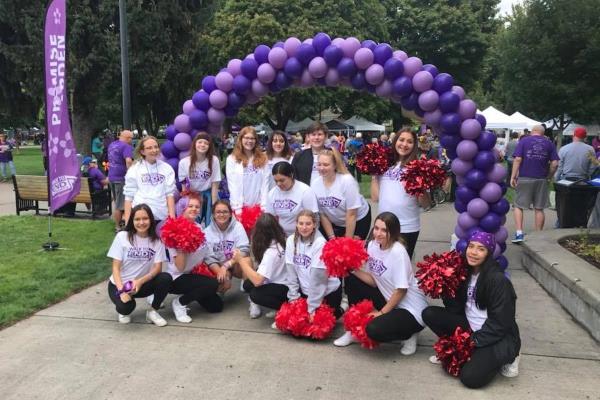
x,y
63,166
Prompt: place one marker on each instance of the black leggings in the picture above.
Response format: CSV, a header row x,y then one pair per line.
x,y
200,288
157,286
398,324
483,365
361,229
273,295
410,239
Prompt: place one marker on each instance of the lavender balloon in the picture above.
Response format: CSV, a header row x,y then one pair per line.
x,y
459,91
188,107
467,109
461,167
182,141
332,78
234,66
412,65
491,192
317,67
350,46
277,57
363,58
428,100
374,74
422,81
215,116
266,73
218,99
384,89
477,208
224,81
400,55
182,123
291,46
470,129
432,118
466,221
466,150
501,235
497,173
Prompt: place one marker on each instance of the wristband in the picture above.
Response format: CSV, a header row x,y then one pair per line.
x,y
127,287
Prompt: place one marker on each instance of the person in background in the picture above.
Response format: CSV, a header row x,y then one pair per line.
x,y
6,158
305,162
99,181
120,158
509,151
353,147
97,146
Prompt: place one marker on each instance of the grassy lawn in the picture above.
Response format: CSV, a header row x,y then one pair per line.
x,y
29,161
31,279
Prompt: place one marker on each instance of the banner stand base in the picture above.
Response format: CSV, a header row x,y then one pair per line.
x,y
50,246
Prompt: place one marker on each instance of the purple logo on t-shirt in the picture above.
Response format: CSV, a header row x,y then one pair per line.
x,y
302,260
200,175
284,204
153,178
393,174
250,170
376,266
140,253
225,247
329,202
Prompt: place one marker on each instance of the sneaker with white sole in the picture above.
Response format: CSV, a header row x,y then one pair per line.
x,y
409,346
345,340
271,314
152,316
254,310
511,370
124,319
150,300
274,326
519,238
180,311
434,360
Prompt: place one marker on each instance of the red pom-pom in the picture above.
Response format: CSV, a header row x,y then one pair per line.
x,y
455,350
440,275
374,159
181,234
356,319
248,217
343,255
293,318
421,175
202,269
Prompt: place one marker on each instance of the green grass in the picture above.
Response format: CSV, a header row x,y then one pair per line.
x,y
365,186
29,161
31,279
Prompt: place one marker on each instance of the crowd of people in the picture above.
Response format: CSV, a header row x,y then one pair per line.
x,y
307,197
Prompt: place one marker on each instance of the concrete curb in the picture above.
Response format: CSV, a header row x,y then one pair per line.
x,y
573,282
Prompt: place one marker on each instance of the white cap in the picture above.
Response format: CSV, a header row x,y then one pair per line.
x,y
358,134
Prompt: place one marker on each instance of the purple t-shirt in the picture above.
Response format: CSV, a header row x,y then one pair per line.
x,y
118,151
536,152
97,177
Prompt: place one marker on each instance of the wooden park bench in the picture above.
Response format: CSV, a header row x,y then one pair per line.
x,y
31,189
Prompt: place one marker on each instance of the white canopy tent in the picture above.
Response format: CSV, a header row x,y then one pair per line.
x,y
298,126
361,124
592,130
496,119
528,122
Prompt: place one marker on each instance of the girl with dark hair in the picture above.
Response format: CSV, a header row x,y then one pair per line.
x,y
485,303
278,149
388,281
305,162
289,197
137,255
193,287
202,169
390,193
245,171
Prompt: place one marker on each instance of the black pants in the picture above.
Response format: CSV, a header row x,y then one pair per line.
x,y
361,230
200,288
354,171
410,240
398,324
273,295
158,286
483,365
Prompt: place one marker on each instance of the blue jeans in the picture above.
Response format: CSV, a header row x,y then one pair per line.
x,y
11,165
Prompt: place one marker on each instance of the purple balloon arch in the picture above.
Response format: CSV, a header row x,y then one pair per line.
x,y
419,89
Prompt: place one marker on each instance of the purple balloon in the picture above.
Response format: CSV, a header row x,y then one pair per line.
x,y
461,246
198,119
461,167
491,192
234,66
291,46
467,150
459,91
374,74
332,78
400,55
282,80
332,55
384,89
320,42
338,41
170,132
443,83
241,84
184,154
193,133
218,99
428,100
277,57
182,141
358,80
450,142
266,73
293,68
182,123
208,84
490,222
410,102
432,118
261,53
477,208
169,150
369,44
201,100
450,123
412,65
460,232
501,207
173,162
449,102
465,194
393,68
402,86
215,116
317,67
470,129
188,107
484,160
467,109
503,262
363,58
308,41
259,89
382,53
306,80
482,120
475,179
501,235
305,53
350,46
466,221
497,250
460,180
432,69
237,100
230,111
249,67
252,99
224,81
498,173
486,140
460,206
346,67
278,44
422,81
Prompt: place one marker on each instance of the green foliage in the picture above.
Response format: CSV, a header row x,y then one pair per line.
x,y
29,161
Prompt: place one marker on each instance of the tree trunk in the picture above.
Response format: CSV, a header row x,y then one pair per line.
x,y
82,128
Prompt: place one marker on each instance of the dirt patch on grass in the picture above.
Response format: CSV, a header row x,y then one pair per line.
x,y
585,246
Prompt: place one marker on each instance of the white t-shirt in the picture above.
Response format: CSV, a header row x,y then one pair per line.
x,y
393,198
202,254
286,205
245,183
272,265
136,259
268,174
315,169
223,243
475,316
391,269
306,256
201,178
150,184
341,196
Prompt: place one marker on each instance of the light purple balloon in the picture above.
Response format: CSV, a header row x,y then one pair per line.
x,y
477,208
234,66
182,141
188,107
497,153
460,179
460,232
218,99
501,234
432,118
467,109
459,91
429,99
461,167
412,65
363,58
259,89
491,192
266,73
184,154
470,129
467,150
466,221
422,81
350,46
497,251
497,174
277,57
384,89
317,67
224,81
332,78
400,55
251,98
215,116
182,123
291,45
306,80
308,41
374,74
338,42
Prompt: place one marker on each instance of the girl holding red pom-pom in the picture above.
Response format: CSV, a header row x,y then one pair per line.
x,y
388,281
344,211
307,275
194,287
389,191
485,304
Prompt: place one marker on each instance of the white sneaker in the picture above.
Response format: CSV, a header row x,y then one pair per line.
x,y
345,340
274,326
152,316
344,304
180,311
409,346
434,360
255,310
150,299
124,319
271,314
511,370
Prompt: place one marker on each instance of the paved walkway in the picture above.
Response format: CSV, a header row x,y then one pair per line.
x,y
76,349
